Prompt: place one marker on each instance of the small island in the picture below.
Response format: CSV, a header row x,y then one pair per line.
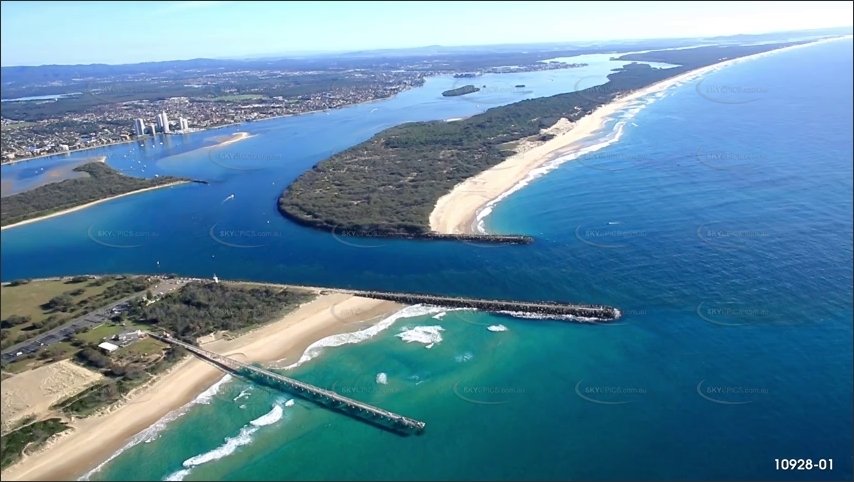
x,y
101,183
466,89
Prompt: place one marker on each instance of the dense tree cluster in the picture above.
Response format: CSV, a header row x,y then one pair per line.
x,y
31,434
466,89
102,182
199,309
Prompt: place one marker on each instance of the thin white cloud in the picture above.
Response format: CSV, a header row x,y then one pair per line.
x,y
174,7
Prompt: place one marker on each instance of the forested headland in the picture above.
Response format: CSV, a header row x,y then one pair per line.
x,y
389,184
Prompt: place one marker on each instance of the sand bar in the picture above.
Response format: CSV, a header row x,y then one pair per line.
x,y
456,212
95,439
236,137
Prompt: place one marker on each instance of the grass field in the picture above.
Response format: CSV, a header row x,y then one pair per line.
x,y
146,346
26,300
30,300
96,335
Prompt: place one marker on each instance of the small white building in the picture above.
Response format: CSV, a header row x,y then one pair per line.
x,y
108,347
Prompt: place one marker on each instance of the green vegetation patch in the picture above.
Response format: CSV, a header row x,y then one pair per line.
x,y
199,309
466,89
98,334
103,182
31,436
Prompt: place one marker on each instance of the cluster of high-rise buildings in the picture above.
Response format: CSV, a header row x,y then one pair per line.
x,y
160,126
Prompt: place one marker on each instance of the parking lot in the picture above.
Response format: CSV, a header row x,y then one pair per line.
x,y
90,320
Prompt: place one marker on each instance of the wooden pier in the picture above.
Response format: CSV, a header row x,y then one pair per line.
x,y
354,408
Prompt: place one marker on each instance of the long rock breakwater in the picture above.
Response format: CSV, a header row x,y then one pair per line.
x,y
601,312
393,231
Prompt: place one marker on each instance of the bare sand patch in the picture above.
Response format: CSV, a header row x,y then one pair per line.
x,y
34,391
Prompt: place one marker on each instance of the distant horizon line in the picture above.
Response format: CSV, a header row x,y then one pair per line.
x,y
302,54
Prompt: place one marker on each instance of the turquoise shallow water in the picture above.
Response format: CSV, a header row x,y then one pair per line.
x,y
720,225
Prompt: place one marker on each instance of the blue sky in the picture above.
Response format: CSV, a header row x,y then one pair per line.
x,y
35,33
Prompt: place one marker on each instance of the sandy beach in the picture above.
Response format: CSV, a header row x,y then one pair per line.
x,y
94,439
87,205
456,212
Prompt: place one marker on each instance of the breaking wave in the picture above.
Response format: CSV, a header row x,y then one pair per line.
x,y
428,335
153,432
244,437
538,316
317,347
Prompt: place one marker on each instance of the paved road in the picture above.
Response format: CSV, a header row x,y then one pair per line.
x,y
91,320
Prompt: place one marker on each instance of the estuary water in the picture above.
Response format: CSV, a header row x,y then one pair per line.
x,y
717,217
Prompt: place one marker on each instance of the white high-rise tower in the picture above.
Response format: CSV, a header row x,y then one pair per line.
x,y
139,127
163,122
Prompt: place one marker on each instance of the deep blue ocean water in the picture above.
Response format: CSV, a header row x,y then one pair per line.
x,y
719,224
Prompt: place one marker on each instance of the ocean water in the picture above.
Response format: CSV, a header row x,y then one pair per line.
x,y
717,217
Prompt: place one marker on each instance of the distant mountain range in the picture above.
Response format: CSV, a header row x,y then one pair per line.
x,y
436,50
23,75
